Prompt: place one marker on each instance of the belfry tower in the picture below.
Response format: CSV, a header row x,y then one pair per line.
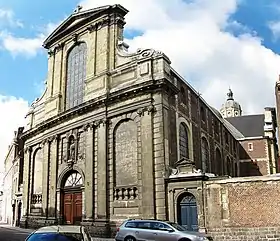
x,y
231,108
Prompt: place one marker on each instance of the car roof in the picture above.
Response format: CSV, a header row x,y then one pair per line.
x,y
145,220
60,228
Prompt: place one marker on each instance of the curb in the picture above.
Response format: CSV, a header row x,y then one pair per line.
x,y
17,228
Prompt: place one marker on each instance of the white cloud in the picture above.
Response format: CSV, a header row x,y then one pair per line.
x,y
193,35
14,111
275,29
26,46
7,18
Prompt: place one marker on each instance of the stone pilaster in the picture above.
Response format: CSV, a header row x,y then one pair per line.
x,y
58,68
148,197
53,176
89,171
102,171
50,73
26,180
45,177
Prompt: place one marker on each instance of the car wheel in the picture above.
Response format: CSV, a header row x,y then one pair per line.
x,y
184,239
129,238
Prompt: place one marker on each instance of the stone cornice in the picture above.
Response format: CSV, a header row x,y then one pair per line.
x,y
99,20
104,100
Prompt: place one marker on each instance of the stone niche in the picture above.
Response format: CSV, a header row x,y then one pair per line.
x,y
126,169
126,154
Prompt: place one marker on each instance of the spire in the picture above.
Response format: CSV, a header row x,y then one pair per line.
x,y
230,95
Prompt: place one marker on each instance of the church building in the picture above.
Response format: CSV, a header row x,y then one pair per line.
x,y
258,152
118,135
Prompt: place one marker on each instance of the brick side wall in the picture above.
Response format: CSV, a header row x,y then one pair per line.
x,y
244,209
258,151
246,234
203,121
255,162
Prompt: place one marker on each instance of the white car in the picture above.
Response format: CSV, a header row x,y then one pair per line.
x,y
60,233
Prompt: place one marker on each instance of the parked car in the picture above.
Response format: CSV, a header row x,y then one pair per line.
x,y
60,233
155,230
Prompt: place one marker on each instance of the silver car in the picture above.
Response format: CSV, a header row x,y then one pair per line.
x,y
154,230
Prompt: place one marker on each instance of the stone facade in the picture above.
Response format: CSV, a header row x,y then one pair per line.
x,y
12,182
107,146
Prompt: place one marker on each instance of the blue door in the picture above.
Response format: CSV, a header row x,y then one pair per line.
x,y
187,212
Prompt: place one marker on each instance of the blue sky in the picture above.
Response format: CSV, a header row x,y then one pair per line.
x,y
22,75
213,44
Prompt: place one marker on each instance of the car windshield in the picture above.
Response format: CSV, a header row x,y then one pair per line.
x,y
55,237
178,227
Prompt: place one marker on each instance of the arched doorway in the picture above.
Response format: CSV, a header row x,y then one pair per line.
x,y
71,198
187,211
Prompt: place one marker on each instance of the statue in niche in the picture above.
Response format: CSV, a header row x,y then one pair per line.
x,y
72,149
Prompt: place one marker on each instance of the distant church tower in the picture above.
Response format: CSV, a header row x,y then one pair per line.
x,y
231,108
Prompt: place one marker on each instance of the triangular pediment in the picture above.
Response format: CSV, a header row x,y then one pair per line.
x,y
77,17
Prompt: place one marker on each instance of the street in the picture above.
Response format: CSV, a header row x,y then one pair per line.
x,y
13,234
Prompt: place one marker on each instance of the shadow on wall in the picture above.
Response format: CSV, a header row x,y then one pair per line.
x,y
248,167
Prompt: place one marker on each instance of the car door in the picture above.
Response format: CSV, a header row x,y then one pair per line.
x,y
162,232
144,231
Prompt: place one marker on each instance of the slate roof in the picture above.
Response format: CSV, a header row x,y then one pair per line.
x,y
248,125
236,133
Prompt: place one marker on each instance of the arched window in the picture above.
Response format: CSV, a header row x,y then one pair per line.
x,y
229,167
183,95
76,75
205,155
183,142
218,165
73,180
38,171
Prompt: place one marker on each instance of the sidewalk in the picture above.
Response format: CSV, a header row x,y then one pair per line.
x,y
7,226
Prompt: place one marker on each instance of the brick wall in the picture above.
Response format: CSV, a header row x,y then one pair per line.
x,y
258,148
244,208
254,157
204,123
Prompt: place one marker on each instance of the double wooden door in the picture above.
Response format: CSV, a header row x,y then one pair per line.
x,y
72,207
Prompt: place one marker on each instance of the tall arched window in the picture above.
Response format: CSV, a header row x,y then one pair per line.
x,y
76,75
219,165
205,155
229,167
183,141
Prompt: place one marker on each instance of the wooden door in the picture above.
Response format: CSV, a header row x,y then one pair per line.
x,y
72,207
77,208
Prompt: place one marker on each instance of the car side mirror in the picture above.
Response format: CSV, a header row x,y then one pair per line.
x,y
170,230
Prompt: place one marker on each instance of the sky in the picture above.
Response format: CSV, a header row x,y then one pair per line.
x,y
213,44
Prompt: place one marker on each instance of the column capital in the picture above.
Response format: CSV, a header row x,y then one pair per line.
x,y
147,109
28,149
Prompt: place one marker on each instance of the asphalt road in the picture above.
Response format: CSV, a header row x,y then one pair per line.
x,y
8,234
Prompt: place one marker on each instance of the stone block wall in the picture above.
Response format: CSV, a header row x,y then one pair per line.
x,y
244,208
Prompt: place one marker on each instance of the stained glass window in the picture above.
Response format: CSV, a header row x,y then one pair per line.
x,y
76,75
